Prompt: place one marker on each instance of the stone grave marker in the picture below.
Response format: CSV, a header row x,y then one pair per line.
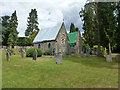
x,y
7,56
22,53
26,49
117,58
59,59
35,55
108,58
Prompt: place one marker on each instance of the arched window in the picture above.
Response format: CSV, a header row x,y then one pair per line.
x,y
39,46
49,45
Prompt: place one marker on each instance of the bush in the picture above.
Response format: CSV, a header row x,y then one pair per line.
x,y
30,52
102,49
48,52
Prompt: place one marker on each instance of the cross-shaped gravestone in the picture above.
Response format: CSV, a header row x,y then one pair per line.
x,y
35,55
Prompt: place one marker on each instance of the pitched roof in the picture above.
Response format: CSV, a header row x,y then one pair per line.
x,y
47,34
72,38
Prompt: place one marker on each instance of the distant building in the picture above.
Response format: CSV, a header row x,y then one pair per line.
x,y
57,39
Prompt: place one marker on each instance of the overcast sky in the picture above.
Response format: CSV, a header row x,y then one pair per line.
x,y
50,12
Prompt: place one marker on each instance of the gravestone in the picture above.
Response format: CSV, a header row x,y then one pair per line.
x,y
7,56
108,58
117,58
22,53
59,59
87,52
35,55
26,49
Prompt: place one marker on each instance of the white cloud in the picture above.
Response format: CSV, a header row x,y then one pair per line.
x,y
50,12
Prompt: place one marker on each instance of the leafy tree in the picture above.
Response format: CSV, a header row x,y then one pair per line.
x,y
32,25
13,30
32,37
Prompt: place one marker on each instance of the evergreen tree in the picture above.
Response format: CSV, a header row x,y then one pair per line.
x,y
90,24
73,29
32,25
5,31
99,23
13,30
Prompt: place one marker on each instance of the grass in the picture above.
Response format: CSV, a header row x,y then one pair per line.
x,y
74,72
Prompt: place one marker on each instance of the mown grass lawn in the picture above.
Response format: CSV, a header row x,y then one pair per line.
x,y
74,72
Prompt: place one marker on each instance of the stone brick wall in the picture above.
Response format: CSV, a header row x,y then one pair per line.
x,y
78,43
62,45
45,45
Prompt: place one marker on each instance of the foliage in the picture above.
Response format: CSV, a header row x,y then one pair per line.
x,y
32,25
30,52
90,28
13,30
73,29
9,30
32,37
100,23
5,29
103,50
23,41
48,52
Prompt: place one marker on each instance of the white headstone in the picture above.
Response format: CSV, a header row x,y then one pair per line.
x,y
109,58
59,59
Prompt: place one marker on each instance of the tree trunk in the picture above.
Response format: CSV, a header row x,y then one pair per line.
x,y
109,49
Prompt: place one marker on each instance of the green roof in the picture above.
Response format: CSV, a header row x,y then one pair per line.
x,y
72,38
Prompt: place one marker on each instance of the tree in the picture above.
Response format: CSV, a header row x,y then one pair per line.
x,y
73,29
32,37
13,30
32,25
107,17
5,30
90,23
99,23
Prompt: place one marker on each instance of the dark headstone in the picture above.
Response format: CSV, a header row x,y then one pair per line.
x,y
7,56
117,58
22,53
26,49
35,55
59,59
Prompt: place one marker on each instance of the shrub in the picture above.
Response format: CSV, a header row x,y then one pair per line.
x,y
102,49
48,52
30,52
